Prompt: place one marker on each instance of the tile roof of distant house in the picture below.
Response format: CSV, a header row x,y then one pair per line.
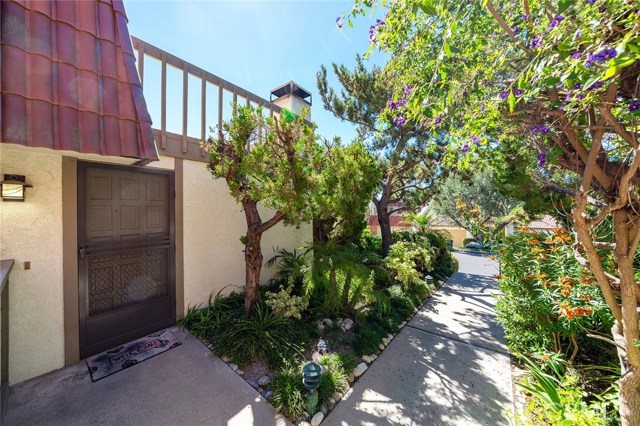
x,y
546,222
69,81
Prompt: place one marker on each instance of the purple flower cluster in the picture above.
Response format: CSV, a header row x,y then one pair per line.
x,y
397,104
339,23
475,139
576,55
504,94
465,147
597,85
516,30
555,21
525,17
399,120
606,55
373,30
540,130
590,60
536,42
591,2
518,92
407,90
438,119
542,159
635,106
393,105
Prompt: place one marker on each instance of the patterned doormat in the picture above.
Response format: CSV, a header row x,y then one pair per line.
x,y
129,354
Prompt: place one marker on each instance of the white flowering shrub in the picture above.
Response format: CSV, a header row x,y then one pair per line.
x,y
285,304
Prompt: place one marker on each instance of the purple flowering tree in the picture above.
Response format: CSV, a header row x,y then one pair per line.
x,y
400,143
557,82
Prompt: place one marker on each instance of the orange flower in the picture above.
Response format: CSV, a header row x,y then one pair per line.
x,y
541,256
492,257
524,230
563,238
533,242
497,276
588,311
578,311
544,357
541,276
566,292
528,277
537,250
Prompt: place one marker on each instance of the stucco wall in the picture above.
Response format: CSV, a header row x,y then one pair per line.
x,y
32,231
213,224
456,234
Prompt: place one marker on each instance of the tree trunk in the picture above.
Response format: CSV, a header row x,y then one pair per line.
x,y
384,221
345,292
252,253
630,359
321,230
629,384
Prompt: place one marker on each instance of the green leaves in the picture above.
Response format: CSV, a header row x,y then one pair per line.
x,y
564,5
512,101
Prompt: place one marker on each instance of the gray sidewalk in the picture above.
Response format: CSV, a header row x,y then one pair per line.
x,y
187,385
448,366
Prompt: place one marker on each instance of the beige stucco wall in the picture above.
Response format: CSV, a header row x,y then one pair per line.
x,y
213,224
32,231
456,234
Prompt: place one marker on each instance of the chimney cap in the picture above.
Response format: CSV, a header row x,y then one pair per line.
x,y
293,89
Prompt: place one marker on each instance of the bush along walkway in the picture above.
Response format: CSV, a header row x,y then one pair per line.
x,y
448,365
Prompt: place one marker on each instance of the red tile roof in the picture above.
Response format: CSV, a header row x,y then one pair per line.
x,y
69,81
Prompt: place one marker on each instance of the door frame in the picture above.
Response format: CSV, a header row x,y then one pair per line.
x,y
80,221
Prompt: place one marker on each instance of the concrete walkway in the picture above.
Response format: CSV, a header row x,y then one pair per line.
x,y
448,366
186,385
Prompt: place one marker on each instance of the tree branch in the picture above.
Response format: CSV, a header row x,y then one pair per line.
x,y
277,217
507,28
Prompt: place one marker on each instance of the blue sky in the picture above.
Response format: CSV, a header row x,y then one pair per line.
x,y
257,45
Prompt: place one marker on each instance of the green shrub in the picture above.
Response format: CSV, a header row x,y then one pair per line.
x,y
366,338
444,264
559,401
263,333
408,262
347,361
370,243
387,319
549,300
418,293
285,304
334,378
289,392
400,302
206,322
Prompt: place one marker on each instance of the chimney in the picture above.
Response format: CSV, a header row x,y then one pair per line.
x,y
292,97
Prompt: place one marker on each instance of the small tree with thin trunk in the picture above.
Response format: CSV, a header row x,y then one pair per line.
x,y
265,162
408,173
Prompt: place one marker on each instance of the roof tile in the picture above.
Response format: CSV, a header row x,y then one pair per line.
x,y
69,80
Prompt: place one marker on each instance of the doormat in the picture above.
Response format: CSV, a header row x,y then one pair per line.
x,y
129,354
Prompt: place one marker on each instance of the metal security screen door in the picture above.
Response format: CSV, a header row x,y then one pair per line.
x,y
125,254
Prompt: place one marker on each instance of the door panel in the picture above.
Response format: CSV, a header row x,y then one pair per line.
x,y
127,269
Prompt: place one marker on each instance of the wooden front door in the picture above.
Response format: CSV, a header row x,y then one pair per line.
x,y
126,254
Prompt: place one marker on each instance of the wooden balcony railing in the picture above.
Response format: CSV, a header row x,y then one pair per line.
x,y
186,145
